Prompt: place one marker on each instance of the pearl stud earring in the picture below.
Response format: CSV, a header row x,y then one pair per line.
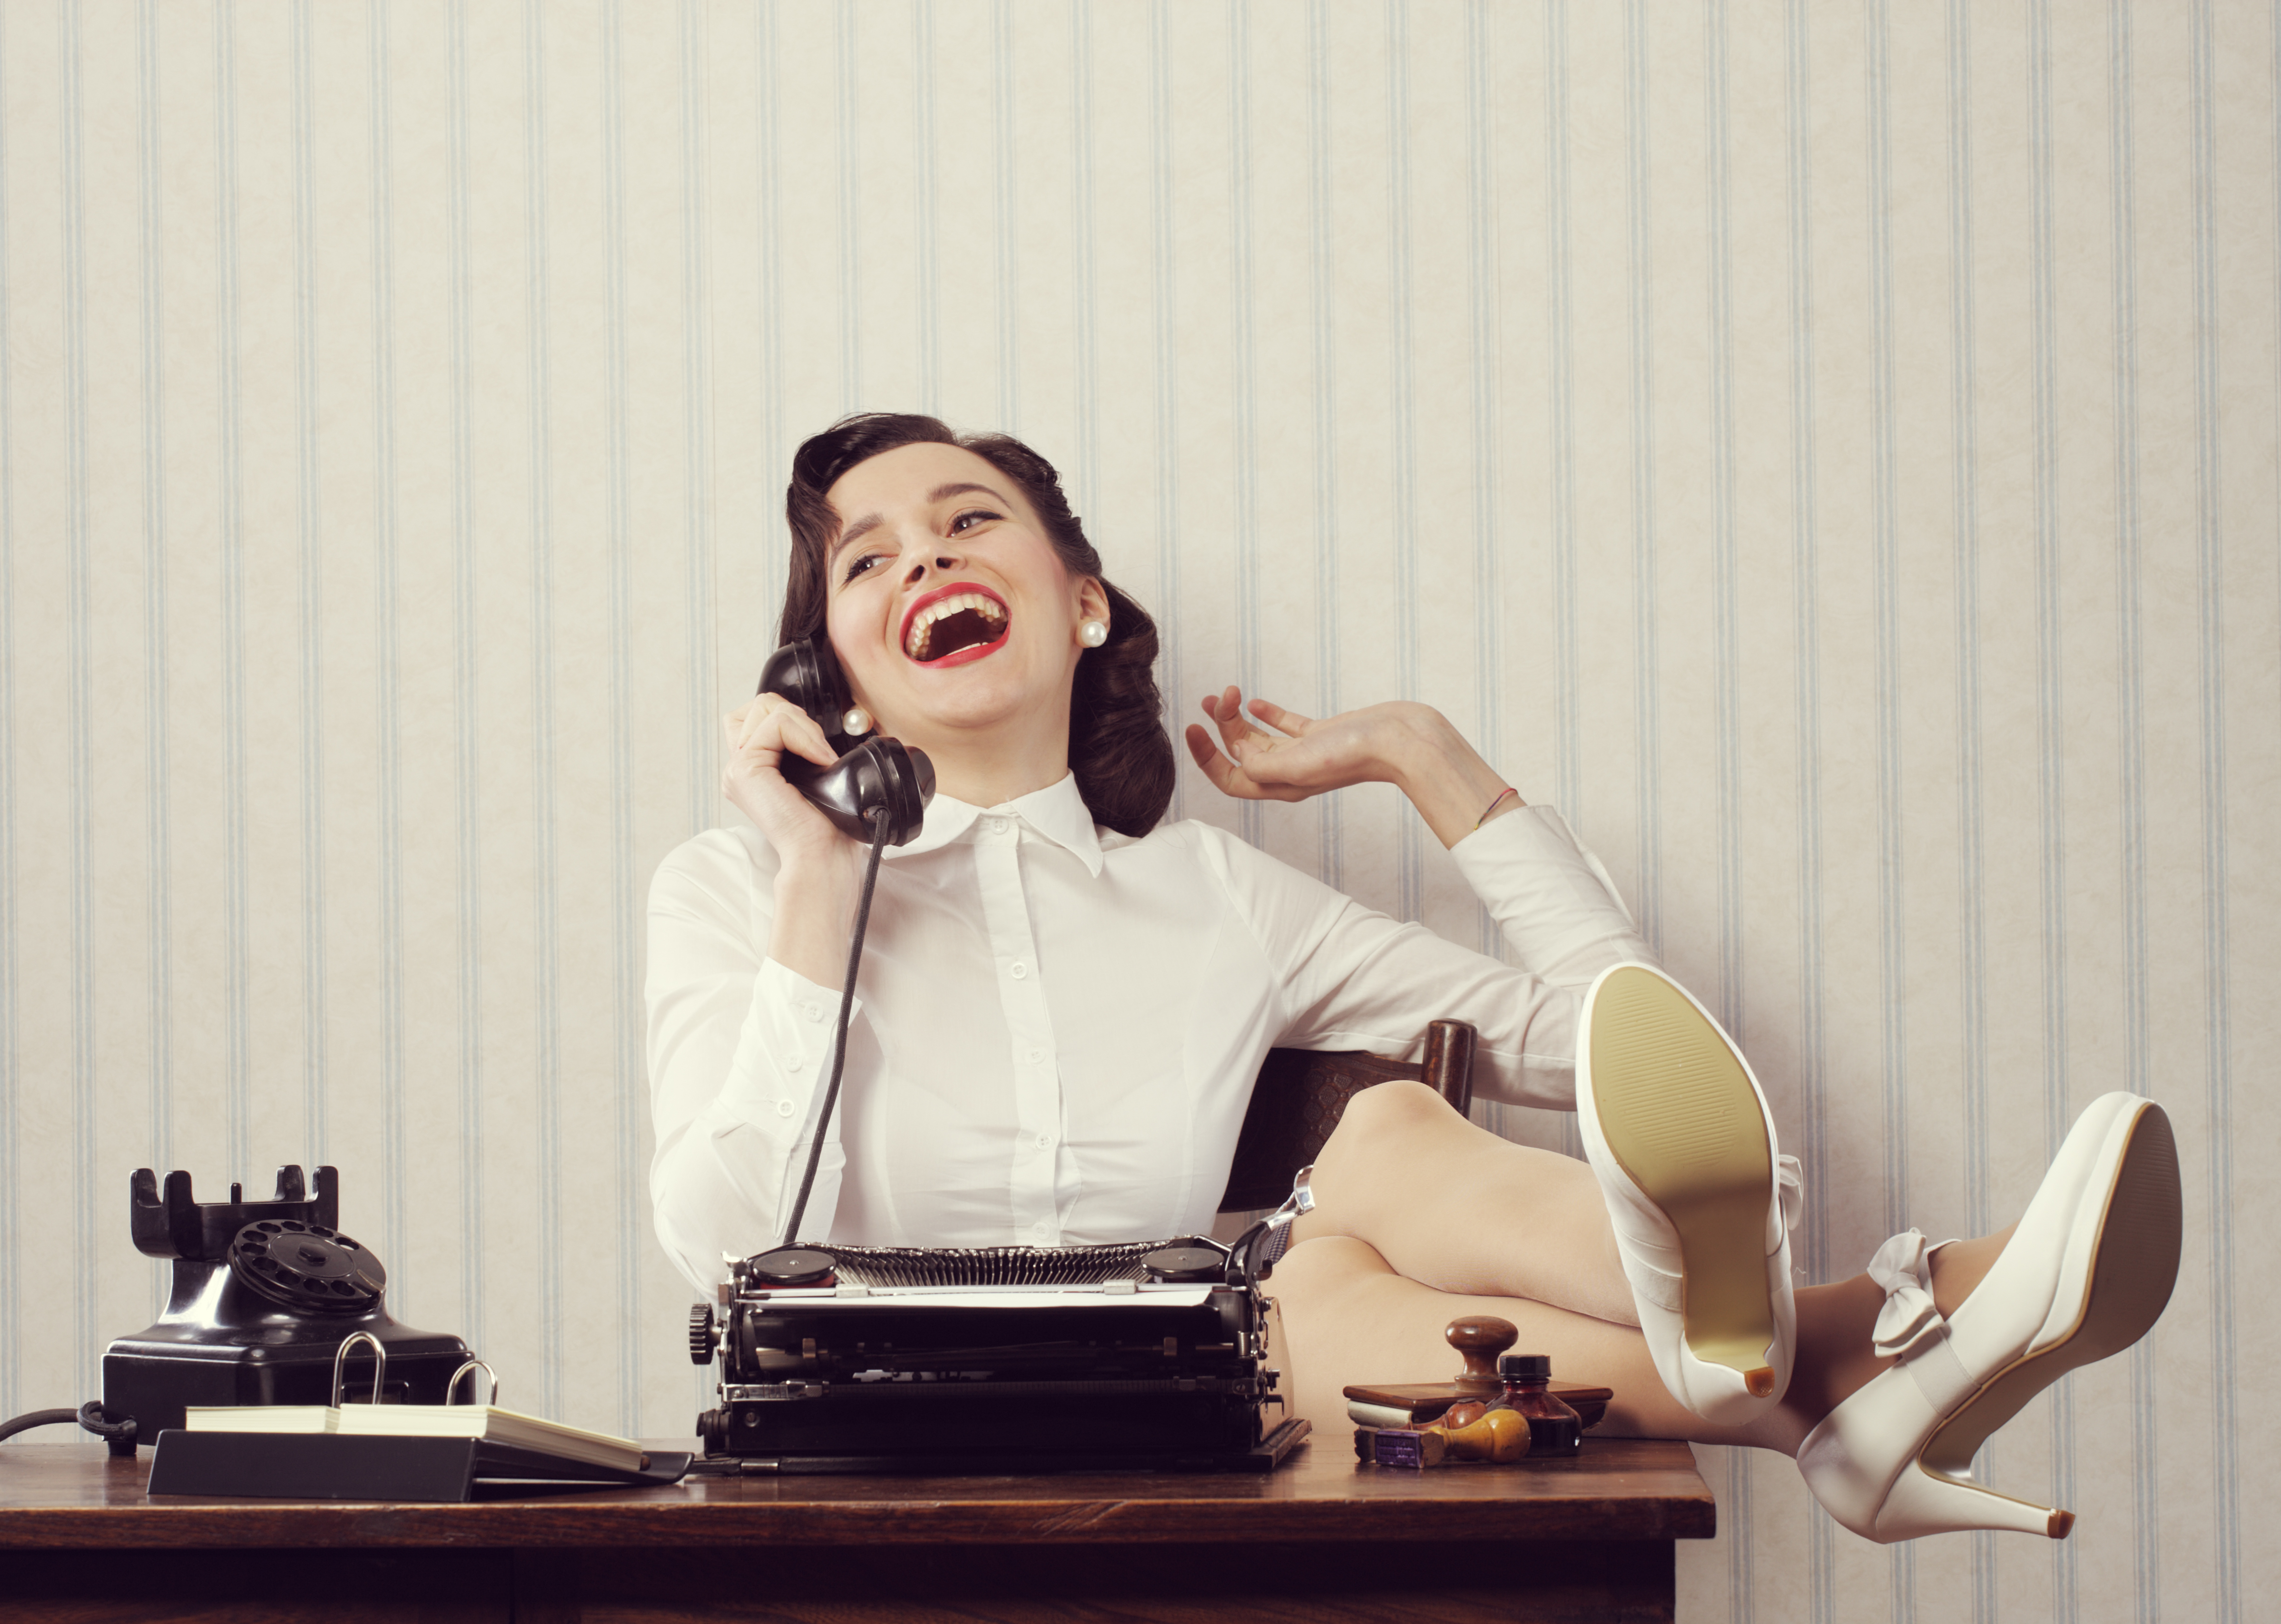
x,y
856,721
1094,633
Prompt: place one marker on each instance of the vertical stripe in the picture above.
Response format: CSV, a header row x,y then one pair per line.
x,y
465,678
1964,461
851,285
1727,682
158,843
1403,405
1647,711
700,598
237,928
1885,590
1820,1552
2130,726
625,922
78,693
1486,351
2050,697
776,433
930,298
1009,279
1323,336
1163,229
310,523
388,788
1560,485
1725,677
546,963
1083,294
2217,1009
11,1184
1245,359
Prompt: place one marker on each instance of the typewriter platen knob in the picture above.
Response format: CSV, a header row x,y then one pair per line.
x,y
700,1333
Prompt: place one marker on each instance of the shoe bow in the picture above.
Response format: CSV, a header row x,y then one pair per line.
x,y
1909,1320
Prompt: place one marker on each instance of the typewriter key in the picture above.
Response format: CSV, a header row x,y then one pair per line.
x,y
788,1266
1185,1266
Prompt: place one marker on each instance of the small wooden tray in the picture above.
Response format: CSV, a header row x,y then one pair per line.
x,y
1425,1400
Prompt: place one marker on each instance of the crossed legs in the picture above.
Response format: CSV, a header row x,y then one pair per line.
x,y
1420,1216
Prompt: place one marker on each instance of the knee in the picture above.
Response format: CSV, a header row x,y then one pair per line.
x,y
1389,1108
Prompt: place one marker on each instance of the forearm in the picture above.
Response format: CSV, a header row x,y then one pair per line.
x,y
815,911
1445,777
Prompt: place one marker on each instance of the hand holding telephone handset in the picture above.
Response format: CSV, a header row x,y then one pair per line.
x,y
877,791
873,774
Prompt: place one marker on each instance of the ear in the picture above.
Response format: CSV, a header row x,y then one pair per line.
x,y
1092,601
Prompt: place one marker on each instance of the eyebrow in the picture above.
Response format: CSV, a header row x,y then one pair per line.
x,y
868,522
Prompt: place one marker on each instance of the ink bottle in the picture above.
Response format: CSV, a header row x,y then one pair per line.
x,y
1555,1431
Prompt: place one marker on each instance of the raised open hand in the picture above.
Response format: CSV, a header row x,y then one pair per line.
x,y
1303,757
1401,742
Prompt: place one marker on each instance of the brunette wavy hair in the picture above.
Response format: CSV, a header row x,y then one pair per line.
x,y
1118,745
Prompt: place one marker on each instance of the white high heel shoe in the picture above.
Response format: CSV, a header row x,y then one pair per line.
x,y
1701,1200
2085,1274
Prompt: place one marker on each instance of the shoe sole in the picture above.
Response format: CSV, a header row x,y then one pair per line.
x,y
2132,1272
1680,1114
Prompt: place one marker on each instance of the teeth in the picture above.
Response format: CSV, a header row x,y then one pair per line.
x,y
922,623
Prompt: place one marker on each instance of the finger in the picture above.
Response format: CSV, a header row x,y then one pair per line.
x,y
1226,776
1235,729
804,738
1286,721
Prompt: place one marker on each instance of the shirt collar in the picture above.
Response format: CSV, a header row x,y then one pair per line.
x,y
1056,813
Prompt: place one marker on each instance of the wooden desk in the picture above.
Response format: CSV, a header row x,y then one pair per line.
x,y
1320,1540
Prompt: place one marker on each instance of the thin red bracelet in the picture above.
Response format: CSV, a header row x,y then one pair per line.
x,y
1493,805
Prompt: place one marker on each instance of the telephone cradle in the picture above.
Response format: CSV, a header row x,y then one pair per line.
x,y
265,1293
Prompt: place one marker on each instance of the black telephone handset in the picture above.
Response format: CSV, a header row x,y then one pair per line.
x,y
877,772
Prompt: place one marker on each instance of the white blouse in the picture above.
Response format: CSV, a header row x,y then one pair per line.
x,y
1057,1027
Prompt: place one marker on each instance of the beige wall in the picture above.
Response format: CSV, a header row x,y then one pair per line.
x,y
1826,448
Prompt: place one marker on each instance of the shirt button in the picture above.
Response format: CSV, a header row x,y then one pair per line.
x,y
796,1063
814,1012
1044,1139
1036,1054
994,826
1039,1228
1019,971
783,1108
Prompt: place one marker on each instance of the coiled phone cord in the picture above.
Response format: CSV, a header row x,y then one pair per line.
x,y
881,825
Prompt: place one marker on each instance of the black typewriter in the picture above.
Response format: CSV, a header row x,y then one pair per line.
x,y
1146,1355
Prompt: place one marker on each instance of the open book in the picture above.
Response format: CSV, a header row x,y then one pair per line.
x,y
486,1422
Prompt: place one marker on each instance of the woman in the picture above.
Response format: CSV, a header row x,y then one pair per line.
x,y
1062,1002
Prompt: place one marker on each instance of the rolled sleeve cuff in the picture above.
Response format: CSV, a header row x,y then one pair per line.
x,y
783,1052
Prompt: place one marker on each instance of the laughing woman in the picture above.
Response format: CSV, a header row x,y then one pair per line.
x,y
1064,1001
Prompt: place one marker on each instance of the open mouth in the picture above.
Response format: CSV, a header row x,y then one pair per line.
x,y
955,625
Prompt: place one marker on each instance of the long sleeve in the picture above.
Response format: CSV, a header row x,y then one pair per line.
x,y
740,1052
1351,977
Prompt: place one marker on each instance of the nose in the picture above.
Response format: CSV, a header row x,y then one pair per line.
x,y
942,562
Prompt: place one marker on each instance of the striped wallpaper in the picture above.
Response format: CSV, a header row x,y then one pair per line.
x,y
1826,446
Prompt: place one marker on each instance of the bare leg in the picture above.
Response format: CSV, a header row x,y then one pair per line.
x,y
1421,1217
1456,1208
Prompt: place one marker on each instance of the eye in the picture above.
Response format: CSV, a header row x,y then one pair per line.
x,y
970,518
859,564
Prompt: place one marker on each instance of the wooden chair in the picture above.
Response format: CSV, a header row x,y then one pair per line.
x,y
1302,1093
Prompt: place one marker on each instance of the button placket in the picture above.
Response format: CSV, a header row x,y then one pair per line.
x,y
1029,1027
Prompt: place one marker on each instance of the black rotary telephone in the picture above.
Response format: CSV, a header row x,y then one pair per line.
x,y
875,774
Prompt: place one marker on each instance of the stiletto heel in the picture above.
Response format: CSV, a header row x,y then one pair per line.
x,y
2086,1273
1701,1201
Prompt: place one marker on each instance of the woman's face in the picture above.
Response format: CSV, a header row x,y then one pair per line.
x,y
950,611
